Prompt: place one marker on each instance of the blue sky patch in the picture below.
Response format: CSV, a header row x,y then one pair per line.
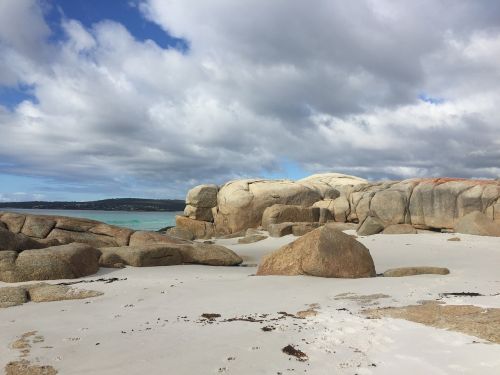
x,y
431,99
89,12
10,97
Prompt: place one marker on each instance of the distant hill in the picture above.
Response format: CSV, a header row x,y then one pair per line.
x,y
117,204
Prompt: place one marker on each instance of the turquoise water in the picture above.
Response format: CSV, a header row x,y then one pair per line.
x,y
137,220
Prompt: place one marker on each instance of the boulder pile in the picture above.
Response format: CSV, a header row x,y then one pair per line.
x,y
422,203
37,247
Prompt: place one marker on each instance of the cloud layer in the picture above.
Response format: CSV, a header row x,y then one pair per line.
x,y
328,85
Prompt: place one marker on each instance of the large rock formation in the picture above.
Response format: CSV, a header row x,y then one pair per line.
x,y
431,203
87,239
324,252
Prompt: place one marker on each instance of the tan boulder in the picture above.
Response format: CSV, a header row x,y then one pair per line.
x,y
342,226
17,241
324,252
241,203
341,209
13,221
12,296
58,262
140,238
37,226
399,229
371,225
280,213
120,235
202,196
75,224
199,213
412,271
299,229
280,230
181,233
200,229
208,254
141,256
479,224
92,239
389,206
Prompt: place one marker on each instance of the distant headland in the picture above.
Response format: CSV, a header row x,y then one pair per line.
x,y
116,204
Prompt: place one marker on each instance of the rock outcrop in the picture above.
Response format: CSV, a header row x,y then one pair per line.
x,y
324,252
429,203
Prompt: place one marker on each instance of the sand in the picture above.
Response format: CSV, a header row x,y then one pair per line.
x,y
150,322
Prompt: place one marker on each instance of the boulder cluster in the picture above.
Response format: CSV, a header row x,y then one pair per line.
x,y
393,207
36,247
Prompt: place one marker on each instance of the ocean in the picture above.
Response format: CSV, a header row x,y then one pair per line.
x,y
138,220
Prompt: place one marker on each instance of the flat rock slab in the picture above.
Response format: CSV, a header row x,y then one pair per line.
x,y
252,238
468,319
141,256
412,271
42,292
399,229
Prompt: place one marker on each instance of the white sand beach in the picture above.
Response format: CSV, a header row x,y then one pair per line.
x,y
149,322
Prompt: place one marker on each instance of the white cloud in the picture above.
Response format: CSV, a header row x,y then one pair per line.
x,y
331,85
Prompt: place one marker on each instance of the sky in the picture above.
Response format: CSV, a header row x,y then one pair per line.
x,y
147,98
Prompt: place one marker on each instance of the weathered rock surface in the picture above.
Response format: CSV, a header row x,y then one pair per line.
x,y
204,196
43,292
241,203
299,229
37,226
95,240
58,262
280,213
399,229
324,252
252,238
17,241
280,230
412,271
479,224
371,225
141,256
200,229
13,221
140,238
471,320
208,254
199,213
181,233
12,296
